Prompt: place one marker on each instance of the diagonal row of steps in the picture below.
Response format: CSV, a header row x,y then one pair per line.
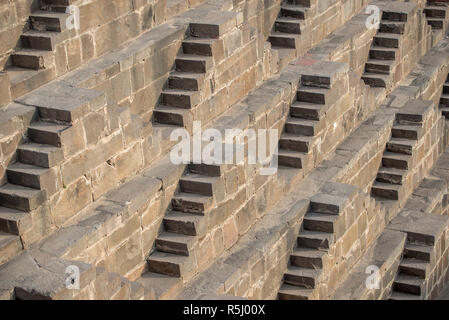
x,y
182,91
322,226
186,222
33,62
436,14
384,52
32,179
288,27
444,99
413,270
309,116
397,160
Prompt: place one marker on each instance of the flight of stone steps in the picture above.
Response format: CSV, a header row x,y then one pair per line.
x,y
186,82
186,222
424,258
325,224
395,178
288,28
436,14
33,63
385,53
318,105
444,99
412,271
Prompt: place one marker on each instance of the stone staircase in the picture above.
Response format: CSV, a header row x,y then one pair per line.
x,y
424,258
34,176
288,28
306,132
394,179
187,82
34,62
314,255
412,272
444,99
385,52
177,247
436,14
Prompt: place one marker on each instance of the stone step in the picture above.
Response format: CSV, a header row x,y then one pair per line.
x,y
412,132
327,204
172,116
288,25
398,145
316,95
42,40
169,264
315,239
295,143
21,198
48,133
58,2
387,40
436,23
379,66
41,155
382,53
180,98
391,175
300,126
294,11
185,223
376,79
32,177
386,190
408,284
445,112
303,3
192,203
394,16
320,222
211,170
193,63
10,246
222,23
283,40
198,184
414,113
290,158
289,292
418,251
13,221
396,27
435,11
396,160
414,267
186,81
446,88
53,8
33,59
24,80
307,258
302,277
444,100
48,20
307,110
202,46
174,243
403,296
